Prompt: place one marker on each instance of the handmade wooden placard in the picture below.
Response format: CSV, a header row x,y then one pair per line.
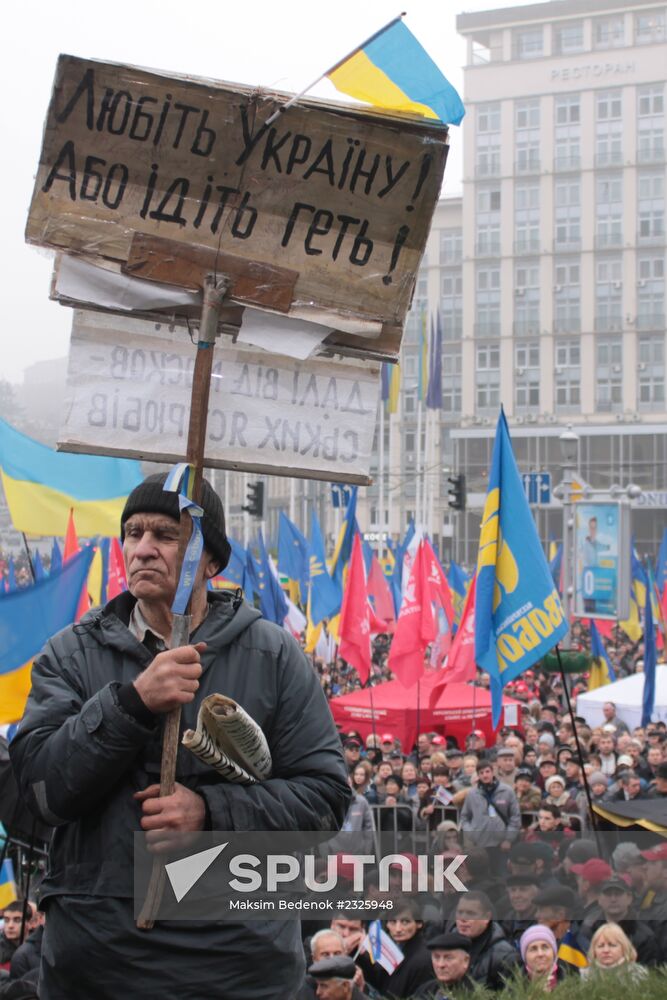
x,y
323,214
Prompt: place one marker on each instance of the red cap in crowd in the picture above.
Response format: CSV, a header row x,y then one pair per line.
x,y
387,738
594,870
657,853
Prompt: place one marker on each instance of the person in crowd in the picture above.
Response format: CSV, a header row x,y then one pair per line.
x,y
362,782
454,761
589,877
506,766
351,931
351,751
26,959
599,786
405,928
492,956
612,719
611,951
653,904
333,979
450,956
539,952
410,777
522,891
606,751
87,754
629,788
490,813
557,795
383,771
528,795
559,908
325,944
616,899
10,939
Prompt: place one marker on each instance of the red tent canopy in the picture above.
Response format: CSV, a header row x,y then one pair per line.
x,y
405,712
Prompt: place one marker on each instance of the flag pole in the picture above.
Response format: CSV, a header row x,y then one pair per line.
x,y
302,93
381,485
418,467
584,776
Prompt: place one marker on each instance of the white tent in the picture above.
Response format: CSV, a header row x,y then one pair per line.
x,y
627,696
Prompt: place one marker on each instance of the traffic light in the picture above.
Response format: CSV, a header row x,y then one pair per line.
x,y
457,492
255,505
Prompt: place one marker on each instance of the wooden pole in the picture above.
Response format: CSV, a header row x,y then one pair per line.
x,y
215,289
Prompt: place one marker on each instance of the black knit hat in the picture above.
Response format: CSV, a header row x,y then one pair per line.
x,y
149,497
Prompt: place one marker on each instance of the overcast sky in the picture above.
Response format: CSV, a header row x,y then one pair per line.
x,y
258,42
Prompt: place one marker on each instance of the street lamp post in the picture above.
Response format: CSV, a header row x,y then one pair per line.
x,y
569,444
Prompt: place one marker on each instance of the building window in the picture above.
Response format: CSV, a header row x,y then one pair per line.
x,y
527,136
527,218
609,375
567,357
609,211
567,297
526,299
409,401
487,376
527,375
651,208
487,243
651,124
527,43
608,32
410,438
567,222
568,38
608,129
608,295
451,246
567,136
650,27
488,141
651,354
451,381
651,293
451,306
487,302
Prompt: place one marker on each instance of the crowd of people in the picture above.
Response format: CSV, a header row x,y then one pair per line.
x,y
547,897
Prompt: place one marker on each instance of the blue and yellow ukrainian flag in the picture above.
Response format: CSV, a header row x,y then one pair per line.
x,y
518,614
28,618
8,891
293,559
570,952
632,626
42,486
343,548
602,671
392,70
325,594
391,385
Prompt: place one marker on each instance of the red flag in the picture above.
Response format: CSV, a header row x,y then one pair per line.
x,y
71,548
438,581
116,579
415,627
378,589
71,541
605,626
354,627
444,607
460,666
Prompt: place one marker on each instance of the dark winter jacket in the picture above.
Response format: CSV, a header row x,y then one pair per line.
x,y
26,958
492,958
641,936
415,970
79,757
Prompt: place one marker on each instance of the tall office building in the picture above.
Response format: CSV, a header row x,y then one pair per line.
x,y
549,273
